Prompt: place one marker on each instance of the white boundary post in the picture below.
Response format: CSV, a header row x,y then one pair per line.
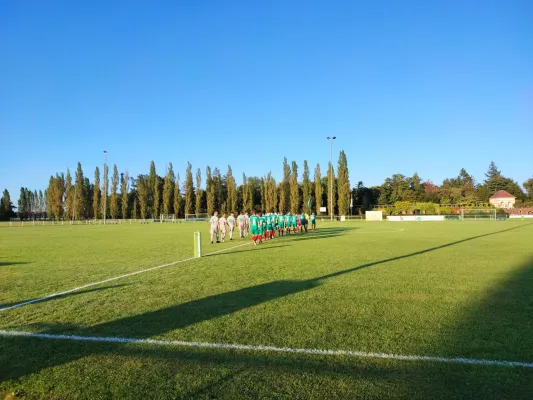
x,y
197,244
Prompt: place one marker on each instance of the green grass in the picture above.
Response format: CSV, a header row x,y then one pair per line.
x,y
453,289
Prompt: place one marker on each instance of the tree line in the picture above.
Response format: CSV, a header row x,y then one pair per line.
x,y
74,196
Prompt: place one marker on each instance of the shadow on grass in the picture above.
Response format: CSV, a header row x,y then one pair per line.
x,y
9,263
76,293
500,327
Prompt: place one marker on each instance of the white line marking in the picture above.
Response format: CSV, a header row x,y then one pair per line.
x,y
365,233
349,353
114,279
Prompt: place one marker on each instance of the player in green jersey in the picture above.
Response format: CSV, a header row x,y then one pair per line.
x,y
268,233
280,223
312,220
294,223
263,226
287,220
273,223
255,227
303,222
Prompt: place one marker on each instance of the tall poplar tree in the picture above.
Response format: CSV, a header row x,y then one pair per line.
x,y
250,196
177,198
124,195
331,190
69,191
189,190
343,185
154,186
210,189
96,193
79,194
262,194
105,191
318,190
143,191
220,198
198,207
284,198
245,194
307,188
232,191
294,189
168,190
113,206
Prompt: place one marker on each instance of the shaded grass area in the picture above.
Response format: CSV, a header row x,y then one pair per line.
x,y
495,322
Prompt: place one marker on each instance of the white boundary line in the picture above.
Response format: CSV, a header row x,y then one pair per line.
x,y
227,346
114,279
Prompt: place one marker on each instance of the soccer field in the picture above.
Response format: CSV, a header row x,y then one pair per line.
x,y
399,310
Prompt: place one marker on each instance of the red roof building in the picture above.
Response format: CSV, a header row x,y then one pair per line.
x,y
502,194
502,199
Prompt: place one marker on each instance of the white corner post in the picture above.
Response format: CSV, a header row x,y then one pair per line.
x,y
197,244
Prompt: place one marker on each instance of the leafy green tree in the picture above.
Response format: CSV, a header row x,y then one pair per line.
x,y
343,185
124,195
198,208
494,180
42,204
6,207
189,190
96,193
232,191
528,185
168,190
318,190
55,193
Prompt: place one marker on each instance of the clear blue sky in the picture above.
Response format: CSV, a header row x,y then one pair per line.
x,y
406,86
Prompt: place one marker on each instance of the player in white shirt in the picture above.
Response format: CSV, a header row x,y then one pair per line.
x,y
222,222
241,220
214,226
246,224
231,224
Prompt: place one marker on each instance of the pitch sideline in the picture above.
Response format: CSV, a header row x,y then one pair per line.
x,y
50,296
272,349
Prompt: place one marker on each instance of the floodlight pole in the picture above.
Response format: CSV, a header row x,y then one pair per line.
x,y
331,139
105,184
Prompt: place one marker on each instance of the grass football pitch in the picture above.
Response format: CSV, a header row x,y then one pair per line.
x,y
445,290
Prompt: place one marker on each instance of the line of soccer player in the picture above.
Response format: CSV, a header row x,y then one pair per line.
x,y
260,226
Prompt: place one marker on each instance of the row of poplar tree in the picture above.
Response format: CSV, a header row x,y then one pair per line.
x,y
150,195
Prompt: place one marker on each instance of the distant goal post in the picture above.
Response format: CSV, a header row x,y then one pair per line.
x,y
196,217
374,215
474,214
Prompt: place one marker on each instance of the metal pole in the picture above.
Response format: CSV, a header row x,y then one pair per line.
x,y
105,184
331,177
